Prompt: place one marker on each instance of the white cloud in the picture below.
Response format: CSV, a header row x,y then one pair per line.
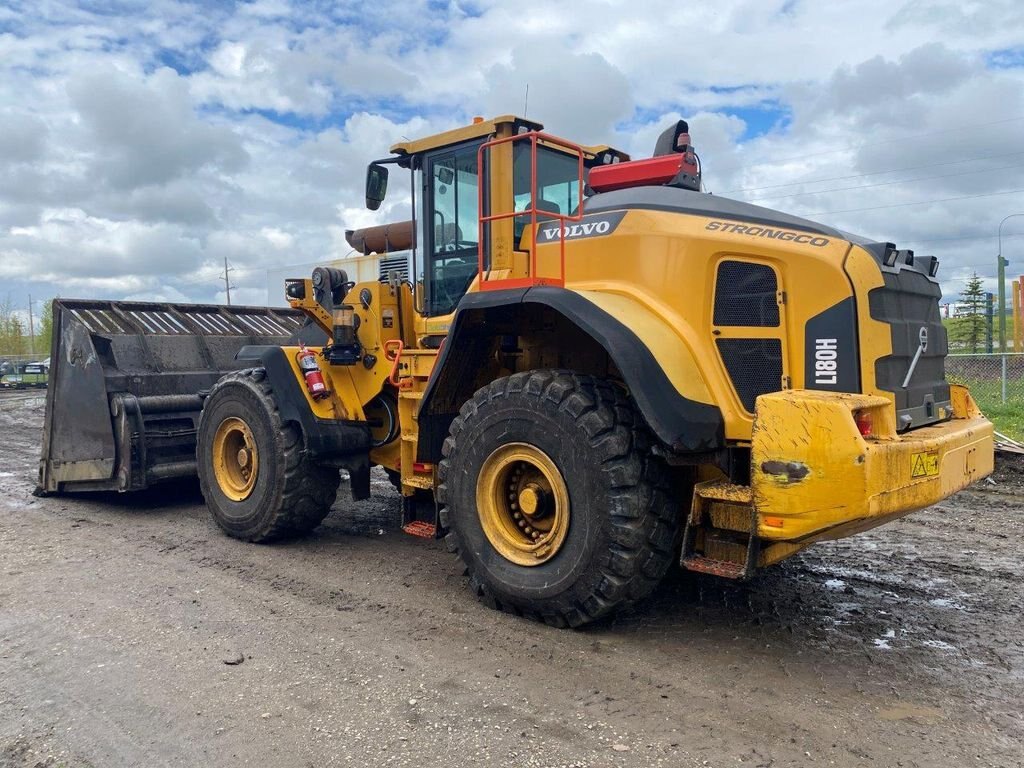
x,y
144,131
141,146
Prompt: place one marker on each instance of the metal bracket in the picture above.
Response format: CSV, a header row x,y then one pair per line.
x,y
922,336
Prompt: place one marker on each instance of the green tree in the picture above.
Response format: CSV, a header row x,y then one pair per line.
x,y
969,330
12,331
45,331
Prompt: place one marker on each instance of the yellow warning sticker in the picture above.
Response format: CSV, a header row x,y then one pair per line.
x,y
924,464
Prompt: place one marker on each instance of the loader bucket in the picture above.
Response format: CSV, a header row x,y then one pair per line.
x,y
127,381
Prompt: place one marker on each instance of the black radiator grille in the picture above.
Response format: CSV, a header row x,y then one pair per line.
x,y
753,365
909,302
746,295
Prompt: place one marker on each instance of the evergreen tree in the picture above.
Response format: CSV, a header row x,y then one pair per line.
x,y
969,330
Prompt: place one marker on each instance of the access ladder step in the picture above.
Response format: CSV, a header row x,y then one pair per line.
x,y
724,568
420,528
720,537
727,492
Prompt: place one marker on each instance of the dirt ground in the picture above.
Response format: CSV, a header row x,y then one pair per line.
x,y
119,617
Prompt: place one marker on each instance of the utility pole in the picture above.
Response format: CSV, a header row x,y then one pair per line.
x,y
989,299
1001,279
1001,265
31,329
227,281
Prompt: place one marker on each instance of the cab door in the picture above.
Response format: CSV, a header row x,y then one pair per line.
x,y
451,195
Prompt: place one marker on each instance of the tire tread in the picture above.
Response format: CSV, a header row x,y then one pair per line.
x,y
308,490
644,523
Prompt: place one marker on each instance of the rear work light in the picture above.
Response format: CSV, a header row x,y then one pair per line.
x,y
863,421
674,164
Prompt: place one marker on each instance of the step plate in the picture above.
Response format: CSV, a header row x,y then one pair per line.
x,y
724,568
421,529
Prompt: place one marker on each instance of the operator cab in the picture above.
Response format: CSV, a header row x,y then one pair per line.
x,y
477,195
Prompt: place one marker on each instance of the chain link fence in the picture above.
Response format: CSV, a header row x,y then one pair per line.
x,y
993,378
997,383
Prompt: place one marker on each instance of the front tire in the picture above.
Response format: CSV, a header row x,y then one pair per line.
x,y
254,474
553,500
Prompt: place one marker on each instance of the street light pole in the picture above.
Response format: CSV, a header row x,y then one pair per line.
x,y
1002,284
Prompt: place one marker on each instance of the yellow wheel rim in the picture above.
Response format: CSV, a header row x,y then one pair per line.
x,y
523,504
235,459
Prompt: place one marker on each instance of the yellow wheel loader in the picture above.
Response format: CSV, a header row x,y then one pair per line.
x,y
588,371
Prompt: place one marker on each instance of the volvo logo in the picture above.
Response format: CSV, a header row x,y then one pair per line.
x,y
593,225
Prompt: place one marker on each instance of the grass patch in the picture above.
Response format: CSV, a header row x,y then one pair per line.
x,y
1009,416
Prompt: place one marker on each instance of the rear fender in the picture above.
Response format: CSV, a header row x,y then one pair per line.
x,y
678,410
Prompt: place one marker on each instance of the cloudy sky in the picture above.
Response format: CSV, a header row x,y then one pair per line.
x,y
142,142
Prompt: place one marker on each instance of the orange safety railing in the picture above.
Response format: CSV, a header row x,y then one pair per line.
x,y
532,279
393,349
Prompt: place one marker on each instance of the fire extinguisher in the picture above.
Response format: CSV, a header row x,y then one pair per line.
x,y
311,371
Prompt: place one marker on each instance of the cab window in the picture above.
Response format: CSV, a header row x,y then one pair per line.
x,y
454,199
558,184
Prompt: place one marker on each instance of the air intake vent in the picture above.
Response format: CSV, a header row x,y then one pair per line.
x,y
754,365
746,295
396,262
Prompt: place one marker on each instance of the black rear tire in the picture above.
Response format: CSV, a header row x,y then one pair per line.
x,y
291,494
622,527
395,478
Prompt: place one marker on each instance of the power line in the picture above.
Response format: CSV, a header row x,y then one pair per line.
x,y
199,280
919,202
216,278
962,237
885,141
887,183
872,173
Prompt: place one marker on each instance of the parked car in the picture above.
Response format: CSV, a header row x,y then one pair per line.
x,y
26,375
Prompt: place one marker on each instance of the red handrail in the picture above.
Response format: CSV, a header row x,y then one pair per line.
x,y
531,279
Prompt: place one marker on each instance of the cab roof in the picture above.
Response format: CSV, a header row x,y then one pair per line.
x,y
465,133
486,128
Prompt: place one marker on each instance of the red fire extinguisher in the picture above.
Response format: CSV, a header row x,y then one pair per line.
x,y
311,371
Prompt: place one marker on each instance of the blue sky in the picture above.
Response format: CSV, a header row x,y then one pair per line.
x,y
141,143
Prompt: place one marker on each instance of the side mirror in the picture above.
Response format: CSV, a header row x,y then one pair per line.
x,y
445,175
376,185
